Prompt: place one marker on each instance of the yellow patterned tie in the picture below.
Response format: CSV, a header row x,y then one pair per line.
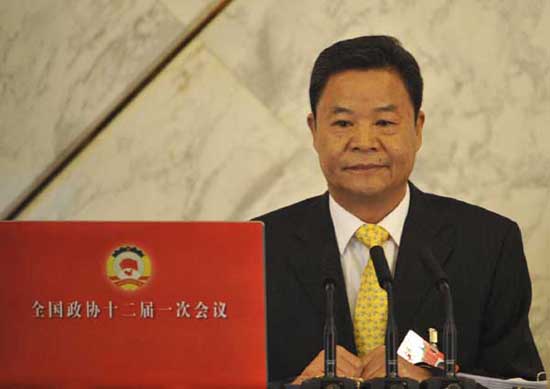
x,y
371,308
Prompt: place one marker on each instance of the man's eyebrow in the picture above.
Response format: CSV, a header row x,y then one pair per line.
x,y
337,109
386,108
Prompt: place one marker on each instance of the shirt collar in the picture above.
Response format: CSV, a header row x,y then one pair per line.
x,y
345,223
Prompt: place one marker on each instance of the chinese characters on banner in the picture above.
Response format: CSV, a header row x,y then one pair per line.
x,y
141,310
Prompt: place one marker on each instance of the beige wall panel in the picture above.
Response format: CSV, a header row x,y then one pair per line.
x,y
194,145
63,65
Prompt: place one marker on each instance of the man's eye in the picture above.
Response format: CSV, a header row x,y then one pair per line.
x,y
342,123
384,123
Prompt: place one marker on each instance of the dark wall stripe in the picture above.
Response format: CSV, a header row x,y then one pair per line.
x,y
58,167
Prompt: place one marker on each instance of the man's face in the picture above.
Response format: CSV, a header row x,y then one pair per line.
x,y
366,135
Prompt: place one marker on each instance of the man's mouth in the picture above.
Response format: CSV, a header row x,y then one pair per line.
x,y
360,167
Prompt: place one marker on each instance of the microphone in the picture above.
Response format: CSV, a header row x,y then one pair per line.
x,y
449,328
386,282
329,331
385,279
449,380
330,380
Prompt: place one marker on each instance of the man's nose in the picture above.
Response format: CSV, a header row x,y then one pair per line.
x,y
365,138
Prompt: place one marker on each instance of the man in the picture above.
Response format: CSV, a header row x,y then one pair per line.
x,y
366,125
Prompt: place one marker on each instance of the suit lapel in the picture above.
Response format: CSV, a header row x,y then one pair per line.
x,y
424,227
317,258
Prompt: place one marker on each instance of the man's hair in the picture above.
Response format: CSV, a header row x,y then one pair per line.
x,y
364,53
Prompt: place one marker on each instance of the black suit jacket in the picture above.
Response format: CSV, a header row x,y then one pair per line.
x,y
481,252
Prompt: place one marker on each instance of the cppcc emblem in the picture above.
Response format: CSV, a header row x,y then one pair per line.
x,y
129,268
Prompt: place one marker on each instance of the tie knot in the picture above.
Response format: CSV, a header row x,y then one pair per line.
x,y
372,235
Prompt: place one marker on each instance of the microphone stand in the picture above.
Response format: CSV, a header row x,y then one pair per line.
x,y
449,331
329,333
330,380
450,379
392,379
391,336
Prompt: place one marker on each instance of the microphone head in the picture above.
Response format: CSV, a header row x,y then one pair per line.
x,y
381,266
329,284
433,266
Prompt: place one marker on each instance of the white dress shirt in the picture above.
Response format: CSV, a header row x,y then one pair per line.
x,y
354,255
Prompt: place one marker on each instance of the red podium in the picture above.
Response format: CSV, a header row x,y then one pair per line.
x,y
134,304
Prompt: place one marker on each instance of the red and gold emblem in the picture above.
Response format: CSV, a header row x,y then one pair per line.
x,y
129,268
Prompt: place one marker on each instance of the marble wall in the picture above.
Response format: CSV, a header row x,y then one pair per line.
x,y
64,65
221,133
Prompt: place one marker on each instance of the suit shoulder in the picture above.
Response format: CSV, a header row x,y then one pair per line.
x,y
467,212
291,213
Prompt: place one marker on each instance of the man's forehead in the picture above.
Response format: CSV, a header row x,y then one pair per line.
x,y
366,91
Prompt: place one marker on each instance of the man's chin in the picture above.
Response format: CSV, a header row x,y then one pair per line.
x,y
363,192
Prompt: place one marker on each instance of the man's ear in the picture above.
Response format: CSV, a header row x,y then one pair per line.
x,y
312,128
311,122
418,127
